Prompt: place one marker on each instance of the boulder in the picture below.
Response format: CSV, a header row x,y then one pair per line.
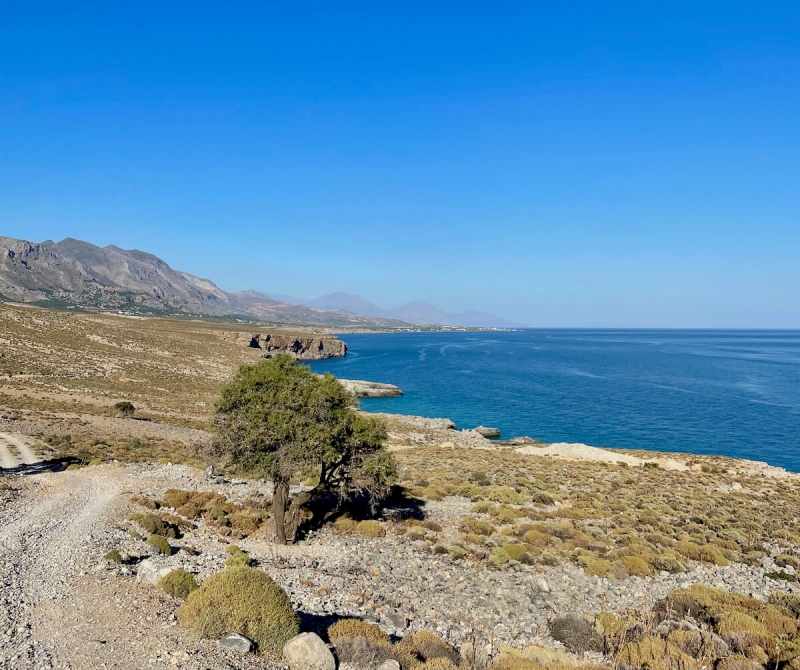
x,y
389,664
488,432
396,619
152,571
238,643
307,651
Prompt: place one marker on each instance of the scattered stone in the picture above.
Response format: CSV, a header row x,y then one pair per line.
x,y
307,651
237,642
389,664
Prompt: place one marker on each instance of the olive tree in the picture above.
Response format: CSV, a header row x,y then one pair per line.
x,y
276,418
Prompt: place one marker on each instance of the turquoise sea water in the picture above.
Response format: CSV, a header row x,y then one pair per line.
x,y
735,393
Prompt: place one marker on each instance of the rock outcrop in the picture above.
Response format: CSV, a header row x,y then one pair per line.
x,y
302,347
371,389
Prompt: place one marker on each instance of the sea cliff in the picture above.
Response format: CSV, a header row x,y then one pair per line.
x,y
302,347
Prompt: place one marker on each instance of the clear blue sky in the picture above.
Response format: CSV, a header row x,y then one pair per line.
x,y
559,164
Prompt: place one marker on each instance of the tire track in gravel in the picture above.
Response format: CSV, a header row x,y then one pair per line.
x,y
7,458
42,545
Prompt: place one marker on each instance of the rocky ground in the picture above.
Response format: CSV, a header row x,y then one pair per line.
x,y
63,605
572,508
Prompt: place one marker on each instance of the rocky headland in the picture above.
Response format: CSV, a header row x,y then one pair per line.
x,y
303,347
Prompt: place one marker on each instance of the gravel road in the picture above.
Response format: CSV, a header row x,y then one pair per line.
x,y
42,544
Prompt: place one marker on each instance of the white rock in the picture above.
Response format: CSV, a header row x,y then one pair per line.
x,y
152,571
308,652
542,585
389,664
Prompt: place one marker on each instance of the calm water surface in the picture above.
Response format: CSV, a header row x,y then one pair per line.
x,y
735,393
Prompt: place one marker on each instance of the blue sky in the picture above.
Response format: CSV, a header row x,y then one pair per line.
x,y
559,164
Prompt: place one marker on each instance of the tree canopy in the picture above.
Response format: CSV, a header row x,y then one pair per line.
x,y
276,418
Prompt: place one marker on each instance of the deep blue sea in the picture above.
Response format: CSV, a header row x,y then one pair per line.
x,y
734,393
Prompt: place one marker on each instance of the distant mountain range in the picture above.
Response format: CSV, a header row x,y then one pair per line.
x,y
72,273
422,313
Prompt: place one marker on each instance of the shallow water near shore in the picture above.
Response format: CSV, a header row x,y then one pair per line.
x,y
730,393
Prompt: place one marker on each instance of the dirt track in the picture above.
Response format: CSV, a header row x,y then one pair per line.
x,y
40,547
14,452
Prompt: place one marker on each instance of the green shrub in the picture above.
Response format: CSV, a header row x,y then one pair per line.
x,y
178,583
244,600
541,498
712,554
429,647
175,498
482,507
476,526
456,552
146,502
370,528
352,628
669,561
344,524
125,408
155,525
636,566
601,568
504,494
160,544
238,558
469,491
514,551
499,556
654,653
114,556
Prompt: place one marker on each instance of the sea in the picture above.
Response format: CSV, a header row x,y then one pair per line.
x,y
725,392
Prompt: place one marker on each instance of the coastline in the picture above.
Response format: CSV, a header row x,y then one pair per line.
x,y
408,431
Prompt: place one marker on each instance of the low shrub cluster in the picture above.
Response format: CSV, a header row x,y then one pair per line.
x,y
367,527
87,448
155,525
614,521
229,519
365,645
691,629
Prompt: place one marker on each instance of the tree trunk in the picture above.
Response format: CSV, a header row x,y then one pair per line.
x,y
280,500
292,521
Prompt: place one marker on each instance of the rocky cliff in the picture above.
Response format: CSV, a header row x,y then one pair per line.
x,y
302,347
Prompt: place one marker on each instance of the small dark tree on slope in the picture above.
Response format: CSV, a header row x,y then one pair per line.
x,y
276,418
125,408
